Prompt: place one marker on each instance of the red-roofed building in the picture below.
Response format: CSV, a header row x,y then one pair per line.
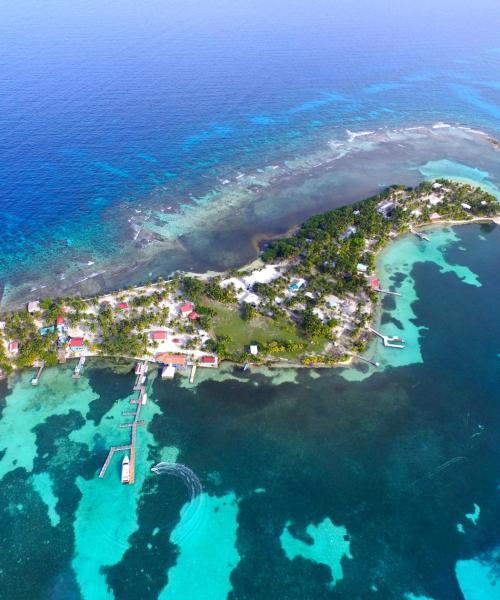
x,y
375,283
158,335
76,343
186,309
208,361
193,316
60,320
122,306
177,360
13,347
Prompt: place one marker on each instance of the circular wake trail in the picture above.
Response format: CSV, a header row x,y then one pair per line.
x,y
192,513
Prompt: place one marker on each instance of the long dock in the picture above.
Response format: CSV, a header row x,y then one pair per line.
x,y
141,370
193,373
367,360
388,292
421,235
39,365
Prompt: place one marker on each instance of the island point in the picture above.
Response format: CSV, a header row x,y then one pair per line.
x,y
309,300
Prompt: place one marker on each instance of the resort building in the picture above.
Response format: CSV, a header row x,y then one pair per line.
x,y
361,268
193,316
13,348
254,350
176,360
122,306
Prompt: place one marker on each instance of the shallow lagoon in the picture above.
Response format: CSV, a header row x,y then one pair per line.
x,y
314,486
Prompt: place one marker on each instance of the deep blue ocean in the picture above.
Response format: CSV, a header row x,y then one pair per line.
x,y
105,106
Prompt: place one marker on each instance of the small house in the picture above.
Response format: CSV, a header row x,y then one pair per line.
x,y
465,206
77,344
435,216
186,309
296,285
60,320
208,361
361,268
158,336
122,306
254,350
375,283
193,316
251,298
13,348
385,207
168,372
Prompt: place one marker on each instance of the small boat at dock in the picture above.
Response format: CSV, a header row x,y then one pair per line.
x,y
126,469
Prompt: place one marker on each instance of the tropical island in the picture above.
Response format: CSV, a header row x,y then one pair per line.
x,y
310,299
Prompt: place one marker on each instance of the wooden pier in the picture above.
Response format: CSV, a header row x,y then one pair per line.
x,y
388,292
39,365
193,373
389,341
366,360
79,368
141,370
422,236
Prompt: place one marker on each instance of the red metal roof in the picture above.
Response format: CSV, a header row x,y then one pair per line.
x,y
171,359
76,342
13,346
193,316
186,308
122,306
159,335
208,359
375,283
59,320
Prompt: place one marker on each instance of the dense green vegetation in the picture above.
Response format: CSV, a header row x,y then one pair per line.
x,y
330,254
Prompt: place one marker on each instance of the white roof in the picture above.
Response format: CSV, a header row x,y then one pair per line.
x,y
265,275
466,206
433,200
361,267
33,306
254,349
251,298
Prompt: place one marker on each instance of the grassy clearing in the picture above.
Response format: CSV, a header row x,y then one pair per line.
x,y
228,322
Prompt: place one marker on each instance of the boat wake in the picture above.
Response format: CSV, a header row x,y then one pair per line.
x,y
192,513
188,476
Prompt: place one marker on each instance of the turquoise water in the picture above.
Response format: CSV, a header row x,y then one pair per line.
x,y
385,486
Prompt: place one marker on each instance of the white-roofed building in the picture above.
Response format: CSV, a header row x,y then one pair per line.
x,y
266,275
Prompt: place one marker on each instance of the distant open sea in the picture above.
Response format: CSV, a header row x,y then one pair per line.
x,y
141,137
108,109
